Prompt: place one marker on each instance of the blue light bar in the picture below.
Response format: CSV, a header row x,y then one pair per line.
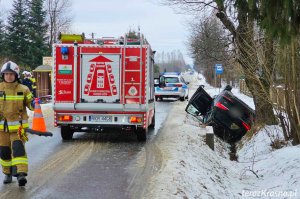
x,y
170,73
64,50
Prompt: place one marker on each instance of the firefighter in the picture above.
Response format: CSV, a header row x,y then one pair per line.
x,y
26,80
33,80
14,98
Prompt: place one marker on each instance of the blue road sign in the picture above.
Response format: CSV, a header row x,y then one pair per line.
x,y
219,69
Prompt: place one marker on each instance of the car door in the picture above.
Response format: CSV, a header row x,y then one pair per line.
x,y
199,103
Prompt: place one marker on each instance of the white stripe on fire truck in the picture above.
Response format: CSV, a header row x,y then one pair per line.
x,y
144,121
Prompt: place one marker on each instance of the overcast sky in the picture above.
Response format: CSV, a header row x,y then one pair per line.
x,y
164,29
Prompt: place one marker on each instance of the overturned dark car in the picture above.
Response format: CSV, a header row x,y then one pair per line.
x,y
230,117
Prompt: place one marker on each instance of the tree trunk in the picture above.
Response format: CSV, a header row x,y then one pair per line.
x,y
247,57
293,93
258,84
263,107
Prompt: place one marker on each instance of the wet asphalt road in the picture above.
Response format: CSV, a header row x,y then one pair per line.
x,y
93,165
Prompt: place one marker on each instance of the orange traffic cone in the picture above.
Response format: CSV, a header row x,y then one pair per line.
x,y
38,122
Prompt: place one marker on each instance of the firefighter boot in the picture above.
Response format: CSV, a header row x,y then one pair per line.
x,y
22,179
7,179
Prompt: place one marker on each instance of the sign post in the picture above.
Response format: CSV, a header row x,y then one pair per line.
x,y
218,71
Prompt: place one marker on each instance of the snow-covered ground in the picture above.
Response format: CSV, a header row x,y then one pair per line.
x,y
190,169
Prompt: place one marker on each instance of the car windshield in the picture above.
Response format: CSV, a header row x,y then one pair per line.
x,y
171,79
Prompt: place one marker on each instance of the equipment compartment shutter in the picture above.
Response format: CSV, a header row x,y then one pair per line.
x,y
100,78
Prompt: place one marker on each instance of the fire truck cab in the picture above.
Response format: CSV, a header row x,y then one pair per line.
x,y
103,83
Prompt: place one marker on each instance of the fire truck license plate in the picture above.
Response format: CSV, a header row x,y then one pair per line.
x,y
100,118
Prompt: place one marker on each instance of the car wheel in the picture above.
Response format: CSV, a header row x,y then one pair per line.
x,y
181,98
66,133
156,98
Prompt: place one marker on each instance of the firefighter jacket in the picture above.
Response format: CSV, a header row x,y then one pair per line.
x,y
32,79
14,98
27,82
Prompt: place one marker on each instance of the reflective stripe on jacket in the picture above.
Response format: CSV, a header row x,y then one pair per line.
x,y
33,82
14,125
14,98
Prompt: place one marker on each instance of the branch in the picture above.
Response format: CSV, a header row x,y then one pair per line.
x,y
227,23
209,4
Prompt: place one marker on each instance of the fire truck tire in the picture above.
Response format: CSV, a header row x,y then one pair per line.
x,y
141,134
66,133
152,125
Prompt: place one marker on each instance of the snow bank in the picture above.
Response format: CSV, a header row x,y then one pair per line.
x,y
192,170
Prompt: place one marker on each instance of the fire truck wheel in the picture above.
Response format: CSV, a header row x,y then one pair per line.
x,y
141,134
66,133
152,125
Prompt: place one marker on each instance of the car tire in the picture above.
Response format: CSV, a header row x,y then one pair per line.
x,y
181,98
66,133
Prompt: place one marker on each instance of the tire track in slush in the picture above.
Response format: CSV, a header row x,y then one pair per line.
x,y
146,165
62,164
52,170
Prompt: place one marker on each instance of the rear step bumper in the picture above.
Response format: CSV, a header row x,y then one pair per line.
x,y
100,107
100,128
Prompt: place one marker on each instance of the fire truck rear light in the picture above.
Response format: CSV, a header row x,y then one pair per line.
x,y
65,118
135,119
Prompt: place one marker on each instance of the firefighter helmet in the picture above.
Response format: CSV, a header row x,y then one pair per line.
x,y
10,67
25,72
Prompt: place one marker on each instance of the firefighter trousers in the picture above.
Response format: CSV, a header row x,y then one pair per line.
x,y
13,156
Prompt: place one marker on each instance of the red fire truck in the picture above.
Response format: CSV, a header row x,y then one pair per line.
x,y
103,83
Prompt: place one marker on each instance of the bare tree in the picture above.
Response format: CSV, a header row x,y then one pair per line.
x,y
170,61
210,44
239,20
287,74
59,17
